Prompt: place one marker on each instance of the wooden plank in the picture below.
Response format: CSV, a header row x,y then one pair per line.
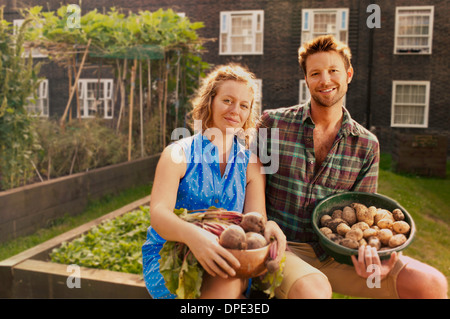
x,y
40,252
39,279
29,224
27,208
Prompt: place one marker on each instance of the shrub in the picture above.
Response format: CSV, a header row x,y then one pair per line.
x,y
78,147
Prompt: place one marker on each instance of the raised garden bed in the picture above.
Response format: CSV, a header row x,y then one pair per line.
x,y
31,274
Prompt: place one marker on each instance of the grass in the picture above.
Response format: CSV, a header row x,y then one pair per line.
x,y
426,199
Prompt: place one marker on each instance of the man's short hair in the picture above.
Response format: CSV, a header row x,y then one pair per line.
x,y
325,43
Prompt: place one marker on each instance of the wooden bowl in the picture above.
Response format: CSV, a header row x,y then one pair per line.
x,y
252,261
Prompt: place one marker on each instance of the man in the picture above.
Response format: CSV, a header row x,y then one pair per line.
x,y
322,151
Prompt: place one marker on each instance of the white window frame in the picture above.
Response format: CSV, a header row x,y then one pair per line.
x,y
303,94
398,13
39,101
35,52
257,104
342,20
106,99
225,32
426,105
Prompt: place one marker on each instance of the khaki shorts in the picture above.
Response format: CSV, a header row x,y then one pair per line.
x,y
343,278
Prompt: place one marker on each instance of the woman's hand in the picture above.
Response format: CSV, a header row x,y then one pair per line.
x,y
273,230
214,258
367,256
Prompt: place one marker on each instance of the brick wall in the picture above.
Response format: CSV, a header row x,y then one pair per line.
x,y
370,93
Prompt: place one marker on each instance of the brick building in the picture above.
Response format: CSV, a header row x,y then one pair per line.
x,y
399,53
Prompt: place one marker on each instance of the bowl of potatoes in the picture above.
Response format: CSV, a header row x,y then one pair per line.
x,y
345,221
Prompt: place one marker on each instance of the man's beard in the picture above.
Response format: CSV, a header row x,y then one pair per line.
x,y
326,102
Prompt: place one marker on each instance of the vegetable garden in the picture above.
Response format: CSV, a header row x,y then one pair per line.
x,y
155,61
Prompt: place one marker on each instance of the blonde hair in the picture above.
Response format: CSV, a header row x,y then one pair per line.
x,y
203,101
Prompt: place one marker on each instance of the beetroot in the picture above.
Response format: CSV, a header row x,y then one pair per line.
x,y
271,265
253,222
255,240
233,237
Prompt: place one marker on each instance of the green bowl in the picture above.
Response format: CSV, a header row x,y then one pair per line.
x,y
339,201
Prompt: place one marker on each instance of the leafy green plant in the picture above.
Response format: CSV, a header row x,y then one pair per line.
x,y
113,245
18,81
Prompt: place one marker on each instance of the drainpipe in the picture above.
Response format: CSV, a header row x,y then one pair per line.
x,y
369,81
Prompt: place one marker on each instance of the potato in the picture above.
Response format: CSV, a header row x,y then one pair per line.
x,y
335,237
360,225
374,242
398,214
373,210
333,223
337,214
381,213
385,223
363,214
397,240
349,243
349,215
369,232
326,230
384,235
362,242
342,229
401,227
324,219
355,234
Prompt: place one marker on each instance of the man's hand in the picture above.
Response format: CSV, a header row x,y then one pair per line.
x,y
368,255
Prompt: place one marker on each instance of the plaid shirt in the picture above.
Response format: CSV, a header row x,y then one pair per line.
x,y
294,189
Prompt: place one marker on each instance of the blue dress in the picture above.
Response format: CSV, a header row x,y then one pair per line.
x,y
201,187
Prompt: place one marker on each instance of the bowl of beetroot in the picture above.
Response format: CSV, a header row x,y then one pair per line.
x,y
247,243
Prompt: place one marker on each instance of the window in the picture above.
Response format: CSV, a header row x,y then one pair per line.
x,y
304,95
410,100
241,32
258,97
413,30
38,103
316,22
96,98
35,52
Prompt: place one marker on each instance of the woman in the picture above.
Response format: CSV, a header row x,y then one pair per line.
x,y
210,168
